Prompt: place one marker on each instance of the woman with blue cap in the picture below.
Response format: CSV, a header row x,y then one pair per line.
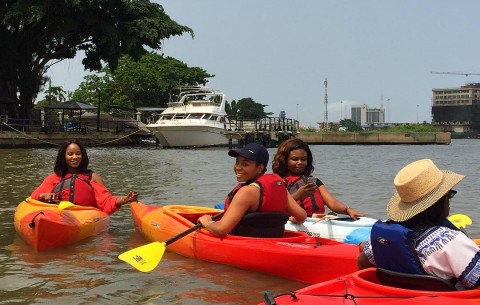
x,y
260,205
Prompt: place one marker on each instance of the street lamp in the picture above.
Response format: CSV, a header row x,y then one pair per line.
x,y
297,112
341,110
417,113
388,110
98,111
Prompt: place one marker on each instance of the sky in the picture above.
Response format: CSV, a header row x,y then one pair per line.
x,y
279,53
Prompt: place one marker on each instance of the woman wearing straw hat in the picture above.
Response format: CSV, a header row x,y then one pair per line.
x,y
418,238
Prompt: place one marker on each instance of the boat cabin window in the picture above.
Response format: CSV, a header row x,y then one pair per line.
x,y
166,117
222,119
213,118
196,115
179,116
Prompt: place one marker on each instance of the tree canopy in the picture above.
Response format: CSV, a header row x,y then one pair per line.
x,y
148,82
247,108
37,34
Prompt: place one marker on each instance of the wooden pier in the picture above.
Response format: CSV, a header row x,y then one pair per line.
x,y
266,131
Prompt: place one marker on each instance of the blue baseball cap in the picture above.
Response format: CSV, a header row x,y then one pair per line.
x,y
252,151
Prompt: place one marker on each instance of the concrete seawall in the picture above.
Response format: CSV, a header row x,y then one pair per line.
x,y
39,139
9,139
375,138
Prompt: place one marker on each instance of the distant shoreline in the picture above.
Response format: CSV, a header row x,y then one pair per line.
x,y
376,138
12,139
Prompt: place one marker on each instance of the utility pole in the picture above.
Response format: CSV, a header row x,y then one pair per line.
x,y
325,118
388,108
417,114
341,109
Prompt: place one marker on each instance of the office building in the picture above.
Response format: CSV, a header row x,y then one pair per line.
x,y
457,110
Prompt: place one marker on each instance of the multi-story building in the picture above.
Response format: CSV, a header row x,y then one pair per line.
x,y
362,115
457,110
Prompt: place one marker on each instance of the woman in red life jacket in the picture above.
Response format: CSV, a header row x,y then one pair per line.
x,y
294,162
256,194
73,181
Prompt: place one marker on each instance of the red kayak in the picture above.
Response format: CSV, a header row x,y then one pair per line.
x,y
295,256
375,286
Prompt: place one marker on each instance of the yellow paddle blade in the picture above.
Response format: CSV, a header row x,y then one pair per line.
x,y
460,220
65,204
144,258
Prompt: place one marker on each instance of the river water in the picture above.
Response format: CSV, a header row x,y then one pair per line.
x,y
89,272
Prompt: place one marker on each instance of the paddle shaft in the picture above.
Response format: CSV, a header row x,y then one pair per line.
x,y
192,229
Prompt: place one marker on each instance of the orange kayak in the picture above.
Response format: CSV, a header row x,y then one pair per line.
x,y
43,225
370,287
295,256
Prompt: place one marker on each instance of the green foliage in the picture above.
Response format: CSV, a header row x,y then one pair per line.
x,y
148,82
413,128
37,34
308,129
54,95
247,108
351,126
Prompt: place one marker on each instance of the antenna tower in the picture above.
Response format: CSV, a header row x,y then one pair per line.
x,y
325,118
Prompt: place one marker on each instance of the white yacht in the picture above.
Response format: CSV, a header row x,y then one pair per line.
x,y
196,119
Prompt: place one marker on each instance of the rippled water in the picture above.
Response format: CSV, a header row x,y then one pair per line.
x,y
89,272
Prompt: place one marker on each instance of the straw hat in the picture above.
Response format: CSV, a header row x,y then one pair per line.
x,y
419,185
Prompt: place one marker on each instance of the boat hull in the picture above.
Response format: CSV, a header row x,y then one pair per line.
x,y
363,287
44,226
189,135
340,229
296,256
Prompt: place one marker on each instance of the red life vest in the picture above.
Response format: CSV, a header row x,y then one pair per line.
x,y
76,188
312,204
270,217
273,193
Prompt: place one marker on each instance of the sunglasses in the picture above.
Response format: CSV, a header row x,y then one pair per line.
x,y
451,194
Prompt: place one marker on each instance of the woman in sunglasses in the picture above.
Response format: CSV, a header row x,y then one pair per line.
x,y
418,238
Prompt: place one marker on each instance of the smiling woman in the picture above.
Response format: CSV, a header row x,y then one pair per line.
x,y
73,181
260,204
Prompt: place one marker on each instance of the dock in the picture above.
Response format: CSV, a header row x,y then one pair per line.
x,y
267,131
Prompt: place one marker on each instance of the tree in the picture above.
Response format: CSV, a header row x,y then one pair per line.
x,y
351,126
38,34
148,82
247,108
55,95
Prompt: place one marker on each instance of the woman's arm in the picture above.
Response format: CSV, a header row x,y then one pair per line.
x,y
246,199
131,197
296,211
44,191
97,178
336,205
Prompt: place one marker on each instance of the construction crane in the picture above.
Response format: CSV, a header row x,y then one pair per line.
x,y
456,73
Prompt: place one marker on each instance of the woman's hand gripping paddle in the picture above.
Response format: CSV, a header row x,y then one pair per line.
x,y
145,258
460,220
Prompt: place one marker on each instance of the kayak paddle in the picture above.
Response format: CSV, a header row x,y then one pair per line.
x,y
460,220
145,258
